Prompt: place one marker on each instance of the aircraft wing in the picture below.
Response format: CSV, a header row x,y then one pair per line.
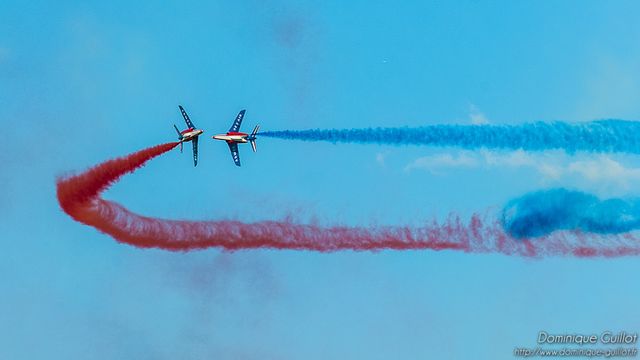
x,y
195,151
234,152
186,117
237,122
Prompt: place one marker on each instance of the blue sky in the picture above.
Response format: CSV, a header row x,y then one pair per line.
x,y
82,83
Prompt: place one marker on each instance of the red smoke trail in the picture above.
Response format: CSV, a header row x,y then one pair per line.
x,y
79,196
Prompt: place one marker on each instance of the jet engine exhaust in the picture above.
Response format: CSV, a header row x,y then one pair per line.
x,y
79,197
596,136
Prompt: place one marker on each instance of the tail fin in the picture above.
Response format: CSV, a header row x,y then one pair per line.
x,y
252,138
179,136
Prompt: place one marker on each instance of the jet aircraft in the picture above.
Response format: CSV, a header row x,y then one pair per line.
x,y
234,137
190,134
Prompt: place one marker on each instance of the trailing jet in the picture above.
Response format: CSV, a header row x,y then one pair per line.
x,y
234,136
190,134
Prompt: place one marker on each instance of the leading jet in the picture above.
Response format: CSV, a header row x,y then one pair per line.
x,y
190,134
234,137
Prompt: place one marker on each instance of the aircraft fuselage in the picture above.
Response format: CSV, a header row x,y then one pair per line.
x,y
190,134
236,137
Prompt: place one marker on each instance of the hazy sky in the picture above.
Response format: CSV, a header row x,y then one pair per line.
x,y
83,83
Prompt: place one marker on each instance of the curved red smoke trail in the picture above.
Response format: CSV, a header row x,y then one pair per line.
x,y
79,197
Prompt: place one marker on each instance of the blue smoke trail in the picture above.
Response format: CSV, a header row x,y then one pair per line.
x,y
599,136
543,212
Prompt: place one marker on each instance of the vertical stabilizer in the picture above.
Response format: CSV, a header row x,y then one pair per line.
x,y
252,138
